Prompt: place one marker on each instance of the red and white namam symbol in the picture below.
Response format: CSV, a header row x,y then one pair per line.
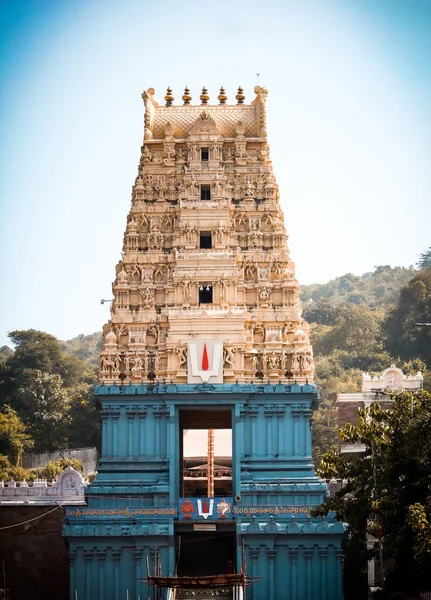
x,y
205,360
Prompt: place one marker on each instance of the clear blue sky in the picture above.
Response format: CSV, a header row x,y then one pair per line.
x,y
349,124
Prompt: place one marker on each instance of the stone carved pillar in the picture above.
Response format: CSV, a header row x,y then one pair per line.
x,y
280,416
339,574
242,414
323,583
114,418
271,556
104,417
308,559
308,449
295,414
130,419
101,555
253,412
269,414
72,587
293,558
254,554
138,557
141,415
116,555
158,413
88,555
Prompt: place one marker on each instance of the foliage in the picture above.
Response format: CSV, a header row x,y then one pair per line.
x,y
50,390
424,261
5,353
376,289
49,403
85,347
404,337
324,429
10,471
85,420
386,489
49,472
14,439
53,469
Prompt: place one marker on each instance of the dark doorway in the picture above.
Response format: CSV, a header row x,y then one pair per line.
x,y
205,240
205,293
205,192
205,553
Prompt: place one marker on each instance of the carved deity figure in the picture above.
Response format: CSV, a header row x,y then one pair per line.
x,y
223,287
273,361
148,155
229,356
218,233
264,357
190,232
137,367
228,154
248,188
186,289
157,362
146,362
147,296
182,356
264,294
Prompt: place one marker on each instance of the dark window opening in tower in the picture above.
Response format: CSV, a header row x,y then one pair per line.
x,y
205,154
205,191
205,240
205,293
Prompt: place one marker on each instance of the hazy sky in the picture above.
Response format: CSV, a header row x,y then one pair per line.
x,y
349,125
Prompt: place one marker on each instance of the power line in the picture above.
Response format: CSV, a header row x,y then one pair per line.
x,y
34,518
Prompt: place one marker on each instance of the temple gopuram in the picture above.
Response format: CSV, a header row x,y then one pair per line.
x,y
205,333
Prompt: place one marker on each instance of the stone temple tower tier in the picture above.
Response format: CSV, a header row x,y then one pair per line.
x,y
205,252
205,334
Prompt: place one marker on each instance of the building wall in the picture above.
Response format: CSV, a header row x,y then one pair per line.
x,y
87,456
35,555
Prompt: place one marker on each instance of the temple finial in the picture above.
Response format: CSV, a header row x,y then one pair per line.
x,y
240,96
186,97
169,97
204,97
222,96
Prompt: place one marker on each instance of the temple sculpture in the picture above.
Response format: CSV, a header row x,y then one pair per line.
x,y
206,333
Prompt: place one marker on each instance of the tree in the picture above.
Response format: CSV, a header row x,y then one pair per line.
x,y
403,336
14,439
84,429
50,391
387,487
424,262
40,351
49,419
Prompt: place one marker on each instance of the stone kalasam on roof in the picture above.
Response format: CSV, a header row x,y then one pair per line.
x,y
205,251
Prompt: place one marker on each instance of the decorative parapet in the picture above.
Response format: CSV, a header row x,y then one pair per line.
x,y
392,379
229,120
68,488
173,388
296,526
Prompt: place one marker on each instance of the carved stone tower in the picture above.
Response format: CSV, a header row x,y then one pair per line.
x,y
205,332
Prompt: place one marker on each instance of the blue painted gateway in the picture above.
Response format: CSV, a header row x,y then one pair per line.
x,y
137,524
